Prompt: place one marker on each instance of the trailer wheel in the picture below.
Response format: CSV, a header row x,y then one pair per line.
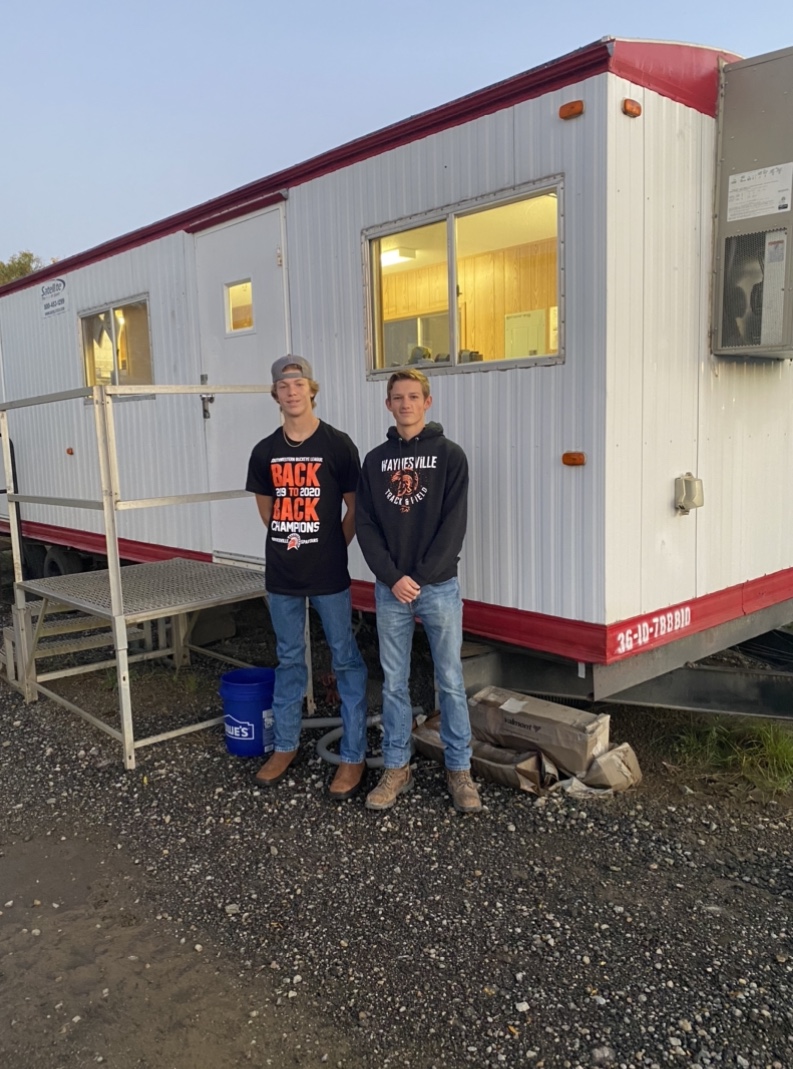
x,y
60,561
33,557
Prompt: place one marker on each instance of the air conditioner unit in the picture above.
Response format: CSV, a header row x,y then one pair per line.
x,y
753,267
753,293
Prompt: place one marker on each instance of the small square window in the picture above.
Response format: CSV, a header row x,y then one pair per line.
x,y
239,306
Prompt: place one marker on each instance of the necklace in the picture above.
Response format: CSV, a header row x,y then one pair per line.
x,y
295,443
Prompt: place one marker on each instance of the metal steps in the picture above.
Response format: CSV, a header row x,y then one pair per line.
x,y
72,624
89,632
49,647
61,635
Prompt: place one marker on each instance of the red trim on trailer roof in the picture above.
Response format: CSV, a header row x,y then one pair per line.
x,y
685,73
201,218
246,207
688,74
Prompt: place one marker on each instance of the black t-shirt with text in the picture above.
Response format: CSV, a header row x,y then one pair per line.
x,y
306,552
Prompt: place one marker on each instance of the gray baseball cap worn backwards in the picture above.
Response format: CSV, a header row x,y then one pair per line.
x,y
293,363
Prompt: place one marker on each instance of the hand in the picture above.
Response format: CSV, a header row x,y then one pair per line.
x,y
406,590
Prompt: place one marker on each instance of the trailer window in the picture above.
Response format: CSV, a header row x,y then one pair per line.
x,y
500,263
412,288
239,307
116,346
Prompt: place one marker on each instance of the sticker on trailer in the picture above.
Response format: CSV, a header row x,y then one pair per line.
x,y
767,191
652,630
53,297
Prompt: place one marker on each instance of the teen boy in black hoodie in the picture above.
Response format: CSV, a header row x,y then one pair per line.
x,y
410,518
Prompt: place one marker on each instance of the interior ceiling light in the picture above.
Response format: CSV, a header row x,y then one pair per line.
x,y
396,256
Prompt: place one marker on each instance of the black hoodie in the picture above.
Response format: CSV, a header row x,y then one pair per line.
x,y
411,507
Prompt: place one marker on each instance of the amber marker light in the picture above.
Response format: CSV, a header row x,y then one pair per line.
x,y
572,109
631,108
69,451
574,460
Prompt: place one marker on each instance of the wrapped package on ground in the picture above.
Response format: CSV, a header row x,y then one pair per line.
x,y
569,737
617,769
530,771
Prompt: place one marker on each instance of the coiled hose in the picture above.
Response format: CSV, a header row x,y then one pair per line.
x,y
327,740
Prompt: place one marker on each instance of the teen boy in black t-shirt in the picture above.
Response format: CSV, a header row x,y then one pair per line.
x,y
301,475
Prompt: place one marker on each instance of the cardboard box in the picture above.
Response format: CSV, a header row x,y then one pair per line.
x,y
530,771
618,769
569,737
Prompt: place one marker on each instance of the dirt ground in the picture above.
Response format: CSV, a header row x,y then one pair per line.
x,y
175,917
112,987
90,972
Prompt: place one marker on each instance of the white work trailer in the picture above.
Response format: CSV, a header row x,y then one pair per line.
x,y
591,263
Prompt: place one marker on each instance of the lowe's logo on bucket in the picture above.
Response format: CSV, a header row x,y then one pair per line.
x,y
247,695
238,729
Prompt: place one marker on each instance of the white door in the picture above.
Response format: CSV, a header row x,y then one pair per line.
x,y
243,325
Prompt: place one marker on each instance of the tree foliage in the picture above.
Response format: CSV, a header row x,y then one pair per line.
x,y
18,266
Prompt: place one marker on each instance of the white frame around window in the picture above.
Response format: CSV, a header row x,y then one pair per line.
x,y
449,213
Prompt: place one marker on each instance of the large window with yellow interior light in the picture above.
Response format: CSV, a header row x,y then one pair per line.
x,y
468,286
116,345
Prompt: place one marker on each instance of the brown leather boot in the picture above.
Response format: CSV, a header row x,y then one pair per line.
x,y
464,792
275,768
393,782
347,780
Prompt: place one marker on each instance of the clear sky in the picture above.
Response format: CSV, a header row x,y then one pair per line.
x,y
115,115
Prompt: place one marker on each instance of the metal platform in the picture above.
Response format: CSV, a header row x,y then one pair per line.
x,y
151,591
174,590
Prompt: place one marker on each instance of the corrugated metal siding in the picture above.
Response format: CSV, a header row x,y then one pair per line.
x,y
536,538
161,445
659,242
746,464
624,240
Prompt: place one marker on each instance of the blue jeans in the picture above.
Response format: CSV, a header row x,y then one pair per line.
x,y
440,610
288,615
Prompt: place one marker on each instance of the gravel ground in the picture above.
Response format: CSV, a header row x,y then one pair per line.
x,y
643,930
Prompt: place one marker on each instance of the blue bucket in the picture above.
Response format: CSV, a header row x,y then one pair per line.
x,y
247,695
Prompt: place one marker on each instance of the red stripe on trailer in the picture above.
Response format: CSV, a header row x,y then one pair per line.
x,y
591,643
577,640
88,542
362,595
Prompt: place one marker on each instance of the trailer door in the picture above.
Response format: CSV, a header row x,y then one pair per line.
x,y
242,319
